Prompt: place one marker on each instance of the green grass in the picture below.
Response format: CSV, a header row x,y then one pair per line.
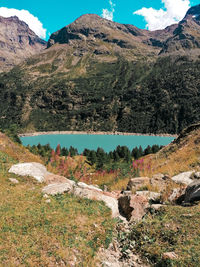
x,y
174,229
36,233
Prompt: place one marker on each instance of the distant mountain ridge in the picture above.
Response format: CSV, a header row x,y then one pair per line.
x,y
17,42
100,75
90,27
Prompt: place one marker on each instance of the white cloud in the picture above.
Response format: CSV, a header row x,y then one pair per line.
x,y
174,11
109,14
32,21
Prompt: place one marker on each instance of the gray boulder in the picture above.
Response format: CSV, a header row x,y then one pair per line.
x,y
51,178
133,207
137,182
92,194
177,195
86,186
192,192
33,169
151,196
160,182
183,178
54,189
197,175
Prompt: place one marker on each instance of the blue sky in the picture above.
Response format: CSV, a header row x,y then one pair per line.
x,y
55,14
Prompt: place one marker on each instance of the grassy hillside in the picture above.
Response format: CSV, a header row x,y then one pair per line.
x,y
173,229
181,155
64,232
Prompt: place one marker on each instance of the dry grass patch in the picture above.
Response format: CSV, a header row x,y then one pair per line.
x,y
15,151
180,156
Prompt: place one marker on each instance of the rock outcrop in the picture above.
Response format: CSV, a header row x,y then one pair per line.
x,y
192,192
33,169
94,194
59,188
59,185
133,207
51,178
177,195
17,42
183,178
138,182
153,197
158,182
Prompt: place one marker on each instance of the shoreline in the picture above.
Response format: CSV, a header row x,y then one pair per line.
x,y
92,133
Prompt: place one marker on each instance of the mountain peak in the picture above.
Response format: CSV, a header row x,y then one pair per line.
x,y
92,27
193,12
18,42
88,16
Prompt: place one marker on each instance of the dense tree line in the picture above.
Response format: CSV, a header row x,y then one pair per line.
x,y
99,157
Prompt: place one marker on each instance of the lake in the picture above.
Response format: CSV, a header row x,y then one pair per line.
x,y
89,141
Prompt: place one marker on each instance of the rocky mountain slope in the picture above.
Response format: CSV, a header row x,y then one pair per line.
x,y
17,42
101,75
186,36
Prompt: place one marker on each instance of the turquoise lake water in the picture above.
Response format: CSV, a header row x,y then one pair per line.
x,y
107,142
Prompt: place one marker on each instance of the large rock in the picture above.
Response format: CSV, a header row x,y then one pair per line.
x,y
37,171
59,188
137,183
133,207
192,192
51,178
152,197
197,175
170,256
86,186
159,182
177,195
110,202
33,169
183,178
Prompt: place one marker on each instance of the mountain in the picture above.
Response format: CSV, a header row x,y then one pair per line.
x,y
91,33
186,37
17,42
104,76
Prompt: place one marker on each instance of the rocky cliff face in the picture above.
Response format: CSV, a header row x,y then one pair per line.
x,y
186,36
93,32
17,42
